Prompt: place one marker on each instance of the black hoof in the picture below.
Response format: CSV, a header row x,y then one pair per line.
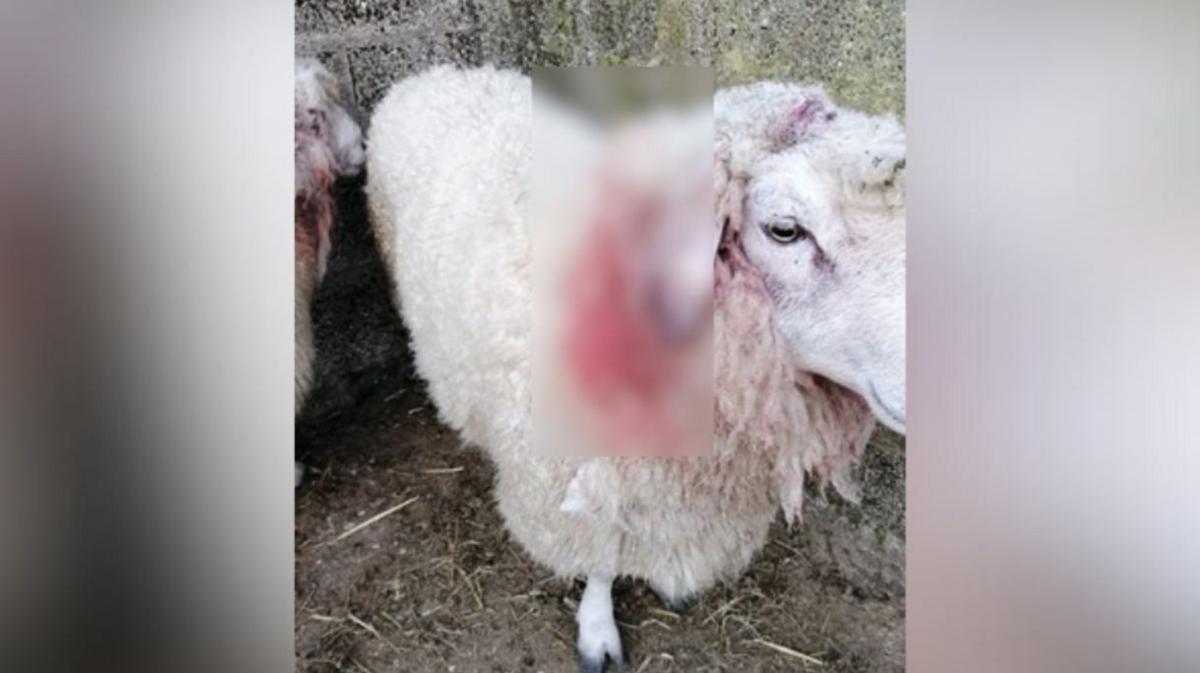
x,y
600,665
677,605
588,665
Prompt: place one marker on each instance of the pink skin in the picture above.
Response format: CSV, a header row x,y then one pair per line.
x,y
800,120
314,219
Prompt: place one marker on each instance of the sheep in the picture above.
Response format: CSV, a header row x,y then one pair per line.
x,y
328,144
808,325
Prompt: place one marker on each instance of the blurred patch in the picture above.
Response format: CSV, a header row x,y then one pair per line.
x,y
623,242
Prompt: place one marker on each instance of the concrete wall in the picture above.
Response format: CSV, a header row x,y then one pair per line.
x,y
854,47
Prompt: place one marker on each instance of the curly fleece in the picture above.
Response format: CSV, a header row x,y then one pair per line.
x,y
448,165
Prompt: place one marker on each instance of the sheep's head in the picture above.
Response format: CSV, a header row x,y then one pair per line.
x,y
812,207
321,120
328,143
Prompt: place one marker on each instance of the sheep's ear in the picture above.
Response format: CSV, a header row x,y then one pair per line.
x,y
883,173
325,85
312,82
799,119
347,140
881,151
885,169
894,184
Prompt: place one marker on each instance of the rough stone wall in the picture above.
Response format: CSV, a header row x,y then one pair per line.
x,y
854,47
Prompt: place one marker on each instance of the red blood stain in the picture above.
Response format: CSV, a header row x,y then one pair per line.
x,y
616,351
612,348
314,165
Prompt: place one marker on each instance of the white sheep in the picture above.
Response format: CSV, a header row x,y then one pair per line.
x,y
328,143
808,325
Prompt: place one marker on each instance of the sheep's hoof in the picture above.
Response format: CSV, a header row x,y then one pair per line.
x,y
600,646
599,639
677,605
590,665
597,664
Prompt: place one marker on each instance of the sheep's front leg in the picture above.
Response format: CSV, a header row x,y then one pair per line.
x,y
598,636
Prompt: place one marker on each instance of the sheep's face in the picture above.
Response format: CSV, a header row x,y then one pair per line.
x,y
328,143
827,237
321,116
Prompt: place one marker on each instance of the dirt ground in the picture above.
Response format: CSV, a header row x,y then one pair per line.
x,y
437,585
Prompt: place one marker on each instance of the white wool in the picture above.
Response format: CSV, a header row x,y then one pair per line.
x,y
448,156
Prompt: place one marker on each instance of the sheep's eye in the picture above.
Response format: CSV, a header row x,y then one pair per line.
x,y
786,231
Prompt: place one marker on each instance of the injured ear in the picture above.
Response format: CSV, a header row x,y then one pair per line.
x,y
799,120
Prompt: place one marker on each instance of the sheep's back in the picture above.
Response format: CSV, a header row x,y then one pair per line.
x,y
447,151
